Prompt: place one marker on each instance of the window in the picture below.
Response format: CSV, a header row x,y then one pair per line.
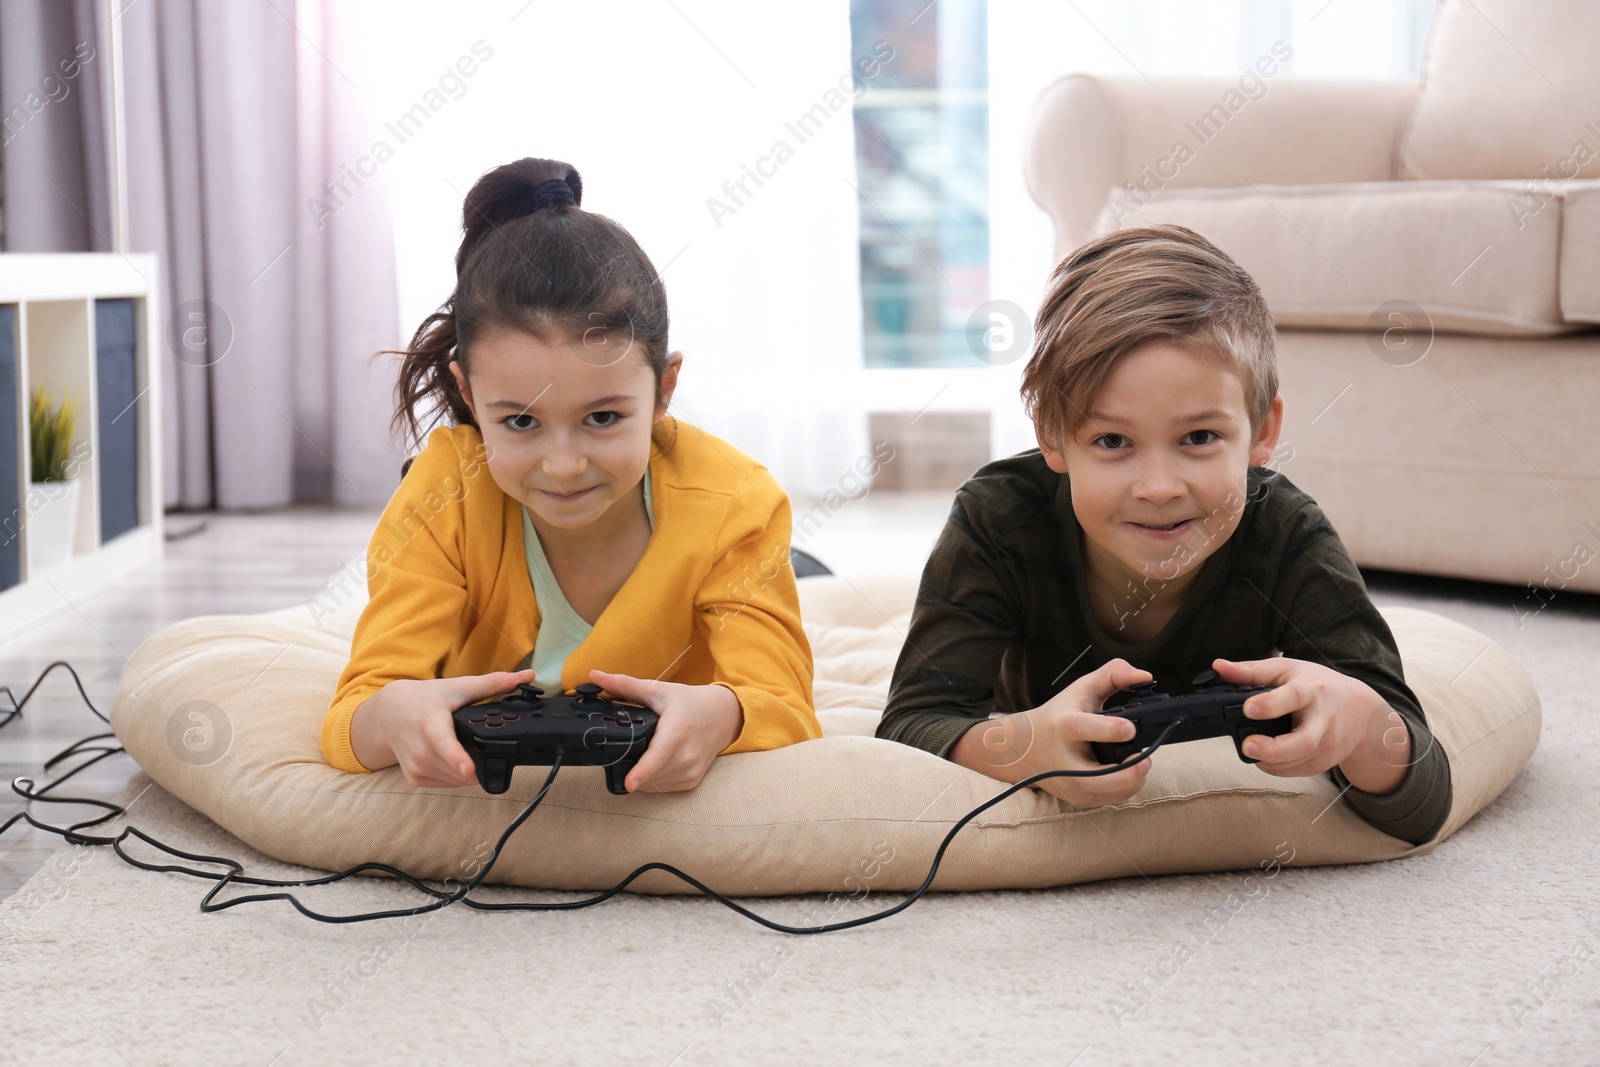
x,y
922,165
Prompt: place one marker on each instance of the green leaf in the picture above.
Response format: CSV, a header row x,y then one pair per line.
x,y
50,430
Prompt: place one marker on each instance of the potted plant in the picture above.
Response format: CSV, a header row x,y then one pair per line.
x,y
53,493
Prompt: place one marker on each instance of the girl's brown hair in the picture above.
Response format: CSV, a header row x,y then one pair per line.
x,y
530,261
1127,287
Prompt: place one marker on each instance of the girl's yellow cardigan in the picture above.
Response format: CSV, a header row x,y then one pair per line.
x,y
712,601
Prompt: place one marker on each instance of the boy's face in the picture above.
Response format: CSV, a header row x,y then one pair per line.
x,y
1167,441
566,424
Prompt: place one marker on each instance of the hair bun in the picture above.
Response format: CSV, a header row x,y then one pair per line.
x,y
553,191
515,189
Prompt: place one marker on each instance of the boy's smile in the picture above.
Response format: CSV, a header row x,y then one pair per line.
x,y
1158,473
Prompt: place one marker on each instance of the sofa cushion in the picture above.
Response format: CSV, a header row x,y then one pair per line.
x,y
1580,248
1509,90
1477,257
225,712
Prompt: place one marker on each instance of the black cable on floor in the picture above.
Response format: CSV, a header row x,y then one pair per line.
x,y
15,709
24,787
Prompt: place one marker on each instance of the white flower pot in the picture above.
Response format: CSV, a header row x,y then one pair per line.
x,y
52,522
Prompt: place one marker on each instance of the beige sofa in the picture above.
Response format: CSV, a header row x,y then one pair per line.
x,y
1431,253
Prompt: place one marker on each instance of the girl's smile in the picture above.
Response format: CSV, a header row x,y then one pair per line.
x,y
566,497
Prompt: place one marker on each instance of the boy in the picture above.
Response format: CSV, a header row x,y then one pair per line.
x,y
1146,530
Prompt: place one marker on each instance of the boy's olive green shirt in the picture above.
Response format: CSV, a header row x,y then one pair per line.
x,y
1003,621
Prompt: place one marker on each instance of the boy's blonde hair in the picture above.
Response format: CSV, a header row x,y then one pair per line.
x,y
1127,287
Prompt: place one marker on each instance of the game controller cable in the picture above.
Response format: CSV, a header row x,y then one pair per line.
x,y
25,788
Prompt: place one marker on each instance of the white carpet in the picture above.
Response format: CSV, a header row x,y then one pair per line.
x,y
1476,954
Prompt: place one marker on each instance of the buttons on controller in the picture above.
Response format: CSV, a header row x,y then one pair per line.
x,y
1205,678
528,692
591,729
1142,689
588,693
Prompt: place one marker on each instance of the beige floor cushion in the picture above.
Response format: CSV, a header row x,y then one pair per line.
x,y
225,712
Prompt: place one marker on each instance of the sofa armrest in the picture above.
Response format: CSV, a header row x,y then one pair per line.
x,y
1089,134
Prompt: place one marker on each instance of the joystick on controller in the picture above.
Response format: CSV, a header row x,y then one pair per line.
x,y
529,728
1214,709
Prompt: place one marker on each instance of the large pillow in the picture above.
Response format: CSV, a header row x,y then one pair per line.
x,y
1509,90
225,713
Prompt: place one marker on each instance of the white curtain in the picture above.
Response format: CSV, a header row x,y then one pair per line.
x,y
238,115
659,105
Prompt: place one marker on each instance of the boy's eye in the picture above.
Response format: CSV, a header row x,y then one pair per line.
x,y
605,418
1115,441
511,421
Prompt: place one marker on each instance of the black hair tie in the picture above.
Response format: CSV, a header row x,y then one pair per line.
x,y
554,191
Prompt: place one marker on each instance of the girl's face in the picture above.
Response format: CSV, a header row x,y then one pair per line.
x,y
566,422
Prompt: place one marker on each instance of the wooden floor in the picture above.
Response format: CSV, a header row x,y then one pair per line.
x,y
232,563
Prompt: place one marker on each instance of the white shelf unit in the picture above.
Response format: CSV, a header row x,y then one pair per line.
x,y
54,341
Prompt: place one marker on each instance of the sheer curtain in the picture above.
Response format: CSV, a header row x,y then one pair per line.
x,y
664,108
667,107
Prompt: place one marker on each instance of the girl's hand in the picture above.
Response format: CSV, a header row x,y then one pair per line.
x,y
410,722
697,722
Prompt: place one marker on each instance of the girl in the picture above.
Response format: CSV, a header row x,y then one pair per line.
x,y
563,528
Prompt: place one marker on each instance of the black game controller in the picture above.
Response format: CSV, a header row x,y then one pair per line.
x,y
528,727
1214,709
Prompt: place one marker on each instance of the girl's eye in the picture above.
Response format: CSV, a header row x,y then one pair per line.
x,y
510,420
605,418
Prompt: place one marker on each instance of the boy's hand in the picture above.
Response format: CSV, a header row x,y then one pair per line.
x,y
1055,736
1339,722
697,722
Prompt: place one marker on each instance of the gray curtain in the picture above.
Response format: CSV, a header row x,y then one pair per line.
x,y
274,296
53,147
